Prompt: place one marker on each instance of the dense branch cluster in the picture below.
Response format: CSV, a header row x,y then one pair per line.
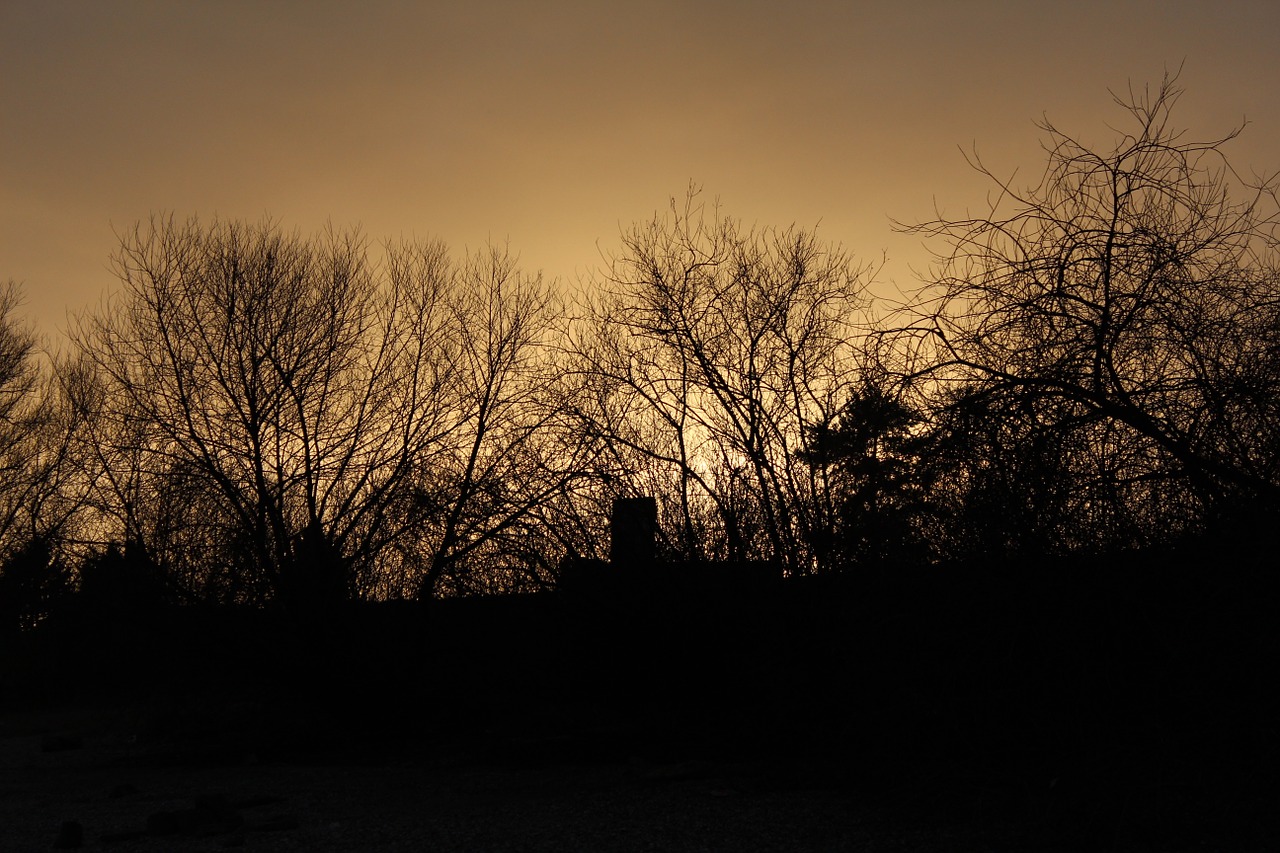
x,y
270,419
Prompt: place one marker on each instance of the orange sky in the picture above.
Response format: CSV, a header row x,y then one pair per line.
x,y
552,124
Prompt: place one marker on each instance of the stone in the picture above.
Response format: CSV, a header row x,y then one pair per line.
x,y
70,836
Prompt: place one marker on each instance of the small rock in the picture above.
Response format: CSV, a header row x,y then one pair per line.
x,y
122,835
70,836
234,839
682,771
256,801
209,816
277,823
60,742
165,823
215,816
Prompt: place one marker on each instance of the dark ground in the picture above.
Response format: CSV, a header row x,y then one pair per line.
x,y
1083,707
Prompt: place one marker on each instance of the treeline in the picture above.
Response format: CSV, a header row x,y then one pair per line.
x,y
265,418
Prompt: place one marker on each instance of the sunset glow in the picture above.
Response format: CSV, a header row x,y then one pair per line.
x,y
553,127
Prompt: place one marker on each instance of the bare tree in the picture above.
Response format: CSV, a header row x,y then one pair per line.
x,y
269,387
19,412
488,490
710,354
39,498
276,418
1131,296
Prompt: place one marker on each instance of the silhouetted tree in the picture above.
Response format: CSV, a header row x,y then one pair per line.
x,y
250,392
38,504
486,491
20,414
1124,313
709,356
872,479
277,418
1014,476
33,580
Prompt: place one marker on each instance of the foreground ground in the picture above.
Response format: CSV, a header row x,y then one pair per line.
x,y
160,779
1074,706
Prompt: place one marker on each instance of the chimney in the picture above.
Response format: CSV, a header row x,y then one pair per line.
x,y
633,529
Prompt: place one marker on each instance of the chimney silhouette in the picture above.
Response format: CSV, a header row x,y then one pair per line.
x,y
633,530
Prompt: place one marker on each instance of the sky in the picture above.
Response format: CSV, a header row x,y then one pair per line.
x,y
552,126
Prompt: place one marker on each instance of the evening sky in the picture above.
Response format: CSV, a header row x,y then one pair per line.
x,y
551,125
